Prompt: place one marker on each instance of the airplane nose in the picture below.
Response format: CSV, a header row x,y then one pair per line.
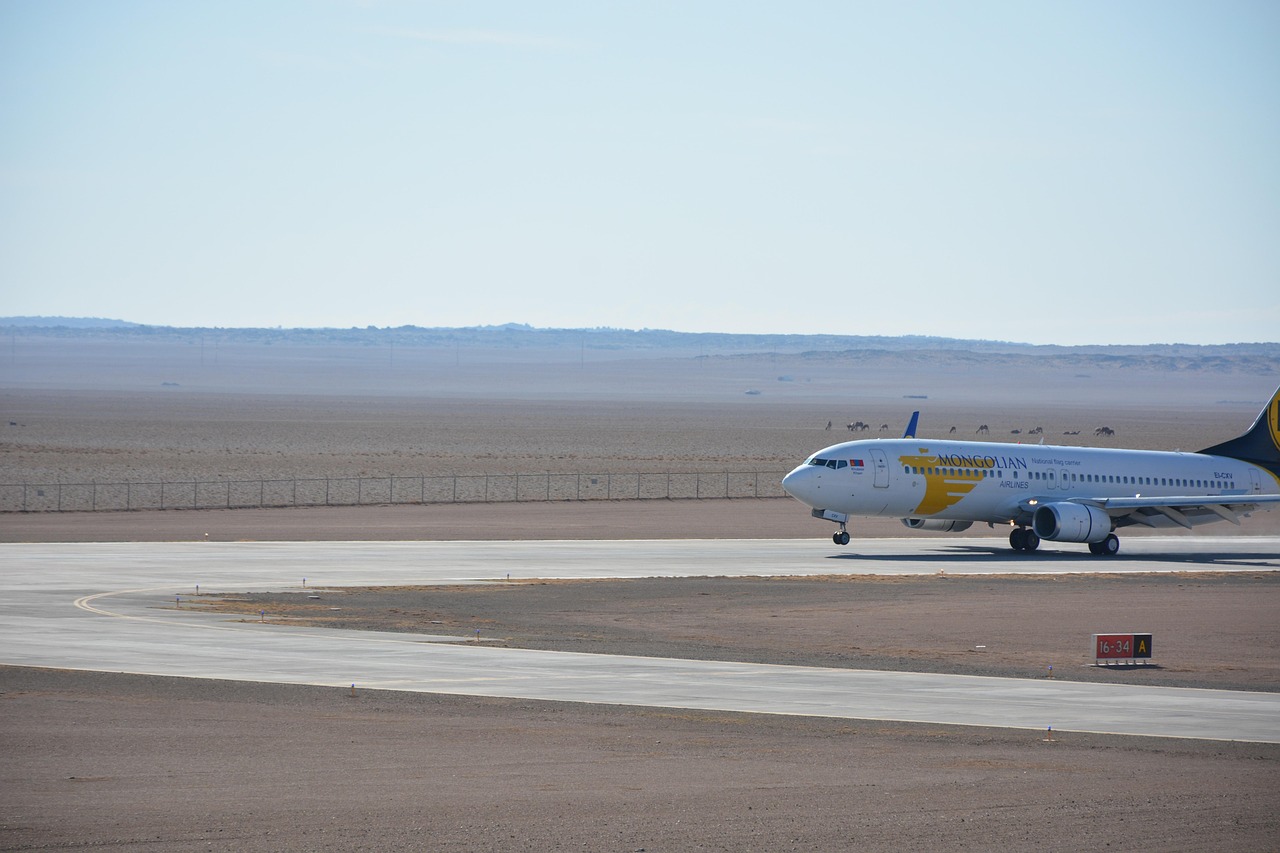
x,y
799,483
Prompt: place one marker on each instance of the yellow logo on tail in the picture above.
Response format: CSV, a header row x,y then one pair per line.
x,y
1273,419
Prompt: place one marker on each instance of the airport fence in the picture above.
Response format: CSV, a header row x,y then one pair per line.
x,y
361,491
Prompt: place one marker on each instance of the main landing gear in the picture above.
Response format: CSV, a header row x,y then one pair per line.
x,y
841,536
1022,539
1107,547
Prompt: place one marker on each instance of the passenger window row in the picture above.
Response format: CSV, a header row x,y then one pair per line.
x,y
1117,479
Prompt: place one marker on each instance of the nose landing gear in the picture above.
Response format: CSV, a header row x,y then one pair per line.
x,y
841,536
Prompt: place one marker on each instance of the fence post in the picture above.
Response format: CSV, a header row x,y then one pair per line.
x,y
95,495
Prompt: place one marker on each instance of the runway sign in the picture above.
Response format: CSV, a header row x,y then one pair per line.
x,y
1121,648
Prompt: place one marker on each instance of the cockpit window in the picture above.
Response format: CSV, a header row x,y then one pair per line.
x,y
829,463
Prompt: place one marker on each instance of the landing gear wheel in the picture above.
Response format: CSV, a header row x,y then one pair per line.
x,y
1018,538
1031,542
1107,547
840,537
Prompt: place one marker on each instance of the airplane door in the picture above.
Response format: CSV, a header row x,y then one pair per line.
x,y
882,468
1257,484
1066,480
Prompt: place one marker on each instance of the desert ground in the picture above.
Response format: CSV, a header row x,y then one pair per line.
x,y
125,762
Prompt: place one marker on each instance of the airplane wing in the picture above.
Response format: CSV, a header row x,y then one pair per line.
x,y
1185,511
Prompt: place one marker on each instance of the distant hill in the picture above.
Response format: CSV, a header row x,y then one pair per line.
x,y
66,322
657,342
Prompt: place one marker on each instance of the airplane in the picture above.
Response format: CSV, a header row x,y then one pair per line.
x,y
1045,492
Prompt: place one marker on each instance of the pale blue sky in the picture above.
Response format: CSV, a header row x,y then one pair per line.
x,y
1083,172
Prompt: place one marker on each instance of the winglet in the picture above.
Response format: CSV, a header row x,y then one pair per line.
x,y
911,427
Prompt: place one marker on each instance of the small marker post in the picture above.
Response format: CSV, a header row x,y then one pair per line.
x,y
1050,675
353,689
262,616
1048,738
177,601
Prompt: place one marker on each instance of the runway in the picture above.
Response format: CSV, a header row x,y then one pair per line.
x,y
118,607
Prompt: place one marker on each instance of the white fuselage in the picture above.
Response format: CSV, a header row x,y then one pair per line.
x,y
998,482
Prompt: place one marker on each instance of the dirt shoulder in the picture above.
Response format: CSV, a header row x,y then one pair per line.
x,y
773,518
123,762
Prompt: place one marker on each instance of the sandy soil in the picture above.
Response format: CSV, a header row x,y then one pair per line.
x,y
127,763
123,762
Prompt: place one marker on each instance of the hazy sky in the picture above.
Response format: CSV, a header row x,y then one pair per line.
x,y
1074,172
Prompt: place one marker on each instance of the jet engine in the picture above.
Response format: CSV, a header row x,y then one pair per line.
x,y
937,524
1071,522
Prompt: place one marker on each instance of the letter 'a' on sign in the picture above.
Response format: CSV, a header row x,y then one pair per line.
x,y
1142,645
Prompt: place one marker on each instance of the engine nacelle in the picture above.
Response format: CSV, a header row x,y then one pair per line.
x,y
937,524
1070,522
